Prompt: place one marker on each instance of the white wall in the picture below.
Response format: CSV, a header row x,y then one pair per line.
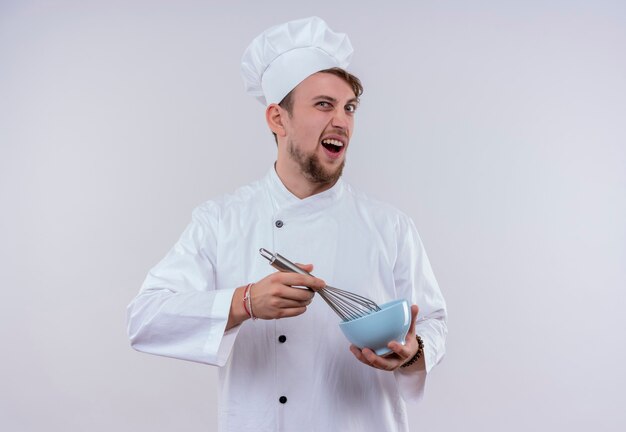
x,y
498,126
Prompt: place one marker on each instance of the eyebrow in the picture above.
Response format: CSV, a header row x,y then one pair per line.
x,y
333,100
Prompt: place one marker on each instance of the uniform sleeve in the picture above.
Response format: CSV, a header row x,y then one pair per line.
x,y
178,312
415,279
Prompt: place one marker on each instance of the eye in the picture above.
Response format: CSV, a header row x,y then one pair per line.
x,y
351,108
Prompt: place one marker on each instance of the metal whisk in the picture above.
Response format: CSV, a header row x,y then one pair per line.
x,y
346,304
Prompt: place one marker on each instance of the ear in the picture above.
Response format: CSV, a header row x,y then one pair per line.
x,y
274,116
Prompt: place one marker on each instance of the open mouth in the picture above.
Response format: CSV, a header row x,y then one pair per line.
x,y
332,145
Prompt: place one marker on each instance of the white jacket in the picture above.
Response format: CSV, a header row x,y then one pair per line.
x,y
355,243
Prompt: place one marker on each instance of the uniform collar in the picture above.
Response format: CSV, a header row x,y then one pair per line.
x,y
283,199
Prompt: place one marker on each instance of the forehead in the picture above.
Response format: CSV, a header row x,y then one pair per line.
x,y
323,84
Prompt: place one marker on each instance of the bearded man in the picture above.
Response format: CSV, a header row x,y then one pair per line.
x,y
283,363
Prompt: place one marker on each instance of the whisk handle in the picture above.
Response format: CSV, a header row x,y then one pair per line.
x,y
281,263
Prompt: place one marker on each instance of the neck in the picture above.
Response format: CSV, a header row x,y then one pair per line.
x,y
297,183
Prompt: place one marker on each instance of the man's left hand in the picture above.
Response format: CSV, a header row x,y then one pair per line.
x,y
400,353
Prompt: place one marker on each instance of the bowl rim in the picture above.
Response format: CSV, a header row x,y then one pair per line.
x,y
383,307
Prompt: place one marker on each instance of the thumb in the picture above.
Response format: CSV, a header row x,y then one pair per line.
x,y
414,312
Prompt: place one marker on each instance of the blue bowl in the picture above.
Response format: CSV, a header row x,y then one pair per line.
x,y
377,329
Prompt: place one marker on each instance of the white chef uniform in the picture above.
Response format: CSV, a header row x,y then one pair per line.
x,y
294,374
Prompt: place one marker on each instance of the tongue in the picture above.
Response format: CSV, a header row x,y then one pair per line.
x,y
332,148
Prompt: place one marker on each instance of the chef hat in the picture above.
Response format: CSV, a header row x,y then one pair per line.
x,y
284,55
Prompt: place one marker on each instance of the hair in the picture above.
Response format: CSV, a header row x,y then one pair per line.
x,y
287,102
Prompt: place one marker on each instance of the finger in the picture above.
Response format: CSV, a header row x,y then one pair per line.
x,y
369,358
286,303
296,294
306,267
290,312
296,279
377,361
359,356
402,351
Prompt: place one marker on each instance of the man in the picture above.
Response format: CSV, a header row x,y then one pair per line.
x,y
284,364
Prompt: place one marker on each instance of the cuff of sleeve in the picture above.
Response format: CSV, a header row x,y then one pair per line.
x,y
433,352
411,384
412,381
220,341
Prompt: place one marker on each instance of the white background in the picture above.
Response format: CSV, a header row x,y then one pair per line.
x,y
498,126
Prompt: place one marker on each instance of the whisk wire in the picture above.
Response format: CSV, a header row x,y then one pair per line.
x,y
350,305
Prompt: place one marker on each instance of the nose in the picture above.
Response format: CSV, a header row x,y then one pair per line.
x,y
341,120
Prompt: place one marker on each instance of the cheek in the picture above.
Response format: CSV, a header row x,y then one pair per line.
x,y
312,132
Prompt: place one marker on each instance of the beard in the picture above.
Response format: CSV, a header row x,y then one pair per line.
x,y
312,169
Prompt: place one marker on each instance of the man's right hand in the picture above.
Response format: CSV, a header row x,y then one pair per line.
x,y
275,297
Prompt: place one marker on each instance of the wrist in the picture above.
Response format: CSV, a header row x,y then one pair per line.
x,y
237,313
247,301
419,354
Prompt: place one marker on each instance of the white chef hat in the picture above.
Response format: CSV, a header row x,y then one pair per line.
x,y
284,55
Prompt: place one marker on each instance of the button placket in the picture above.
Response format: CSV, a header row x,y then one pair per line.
x,y
282,355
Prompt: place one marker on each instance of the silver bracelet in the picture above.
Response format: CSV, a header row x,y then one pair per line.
x,y
249,299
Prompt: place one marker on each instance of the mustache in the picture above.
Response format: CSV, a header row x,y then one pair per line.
x,y
340,132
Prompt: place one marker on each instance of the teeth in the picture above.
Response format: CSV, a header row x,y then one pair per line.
x,y
333,142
